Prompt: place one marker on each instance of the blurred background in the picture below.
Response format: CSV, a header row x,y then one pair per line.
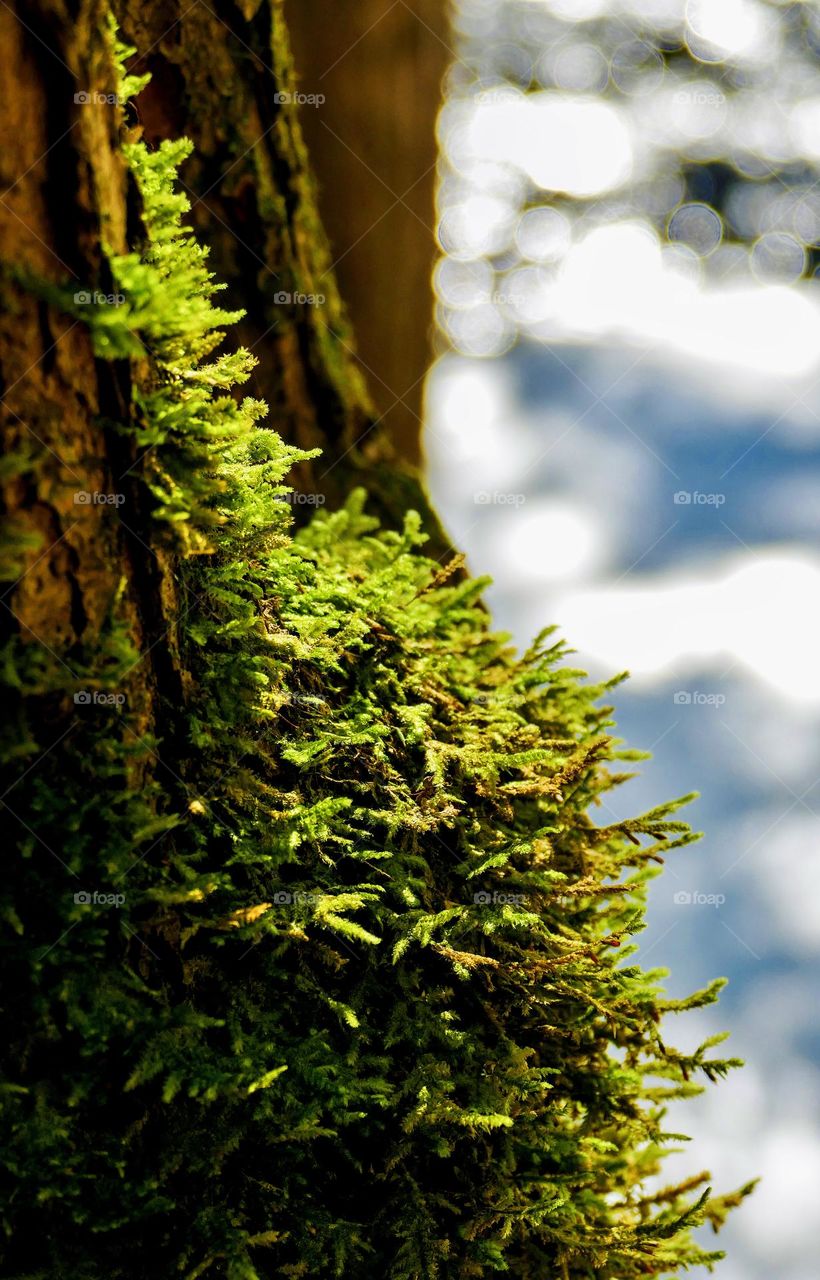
x,y
623,428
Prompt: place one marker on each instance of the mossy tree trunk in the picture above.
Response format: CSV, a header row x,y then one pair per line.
x,y
218,74
261,1016
224,76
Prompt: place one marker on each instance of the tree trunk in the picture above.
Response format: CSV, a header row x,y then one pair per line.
x,y
379,66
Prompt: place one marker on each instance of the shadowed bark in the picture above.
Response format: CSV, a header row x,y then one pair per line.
x,y
379,65
64,192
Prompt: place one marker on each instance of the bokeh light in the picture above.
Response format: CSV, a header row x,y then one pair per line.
x,y
623,429
699,119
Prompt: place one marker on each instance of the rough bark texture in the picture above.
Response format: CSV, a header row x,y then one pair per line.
x,y
65,191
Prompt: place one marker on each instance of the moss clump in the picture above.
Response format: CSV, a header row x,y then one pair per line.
x,y
364,1004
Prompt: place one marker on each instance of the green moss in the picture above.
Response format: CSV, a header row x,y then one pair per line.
x,y
369,1005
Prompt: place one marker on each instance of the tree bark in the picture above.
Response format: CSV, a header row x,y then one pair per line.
x,y
65,191
379,66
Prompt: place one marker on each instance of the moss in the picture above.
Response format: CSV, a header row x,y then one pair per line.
x,y
366,1004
